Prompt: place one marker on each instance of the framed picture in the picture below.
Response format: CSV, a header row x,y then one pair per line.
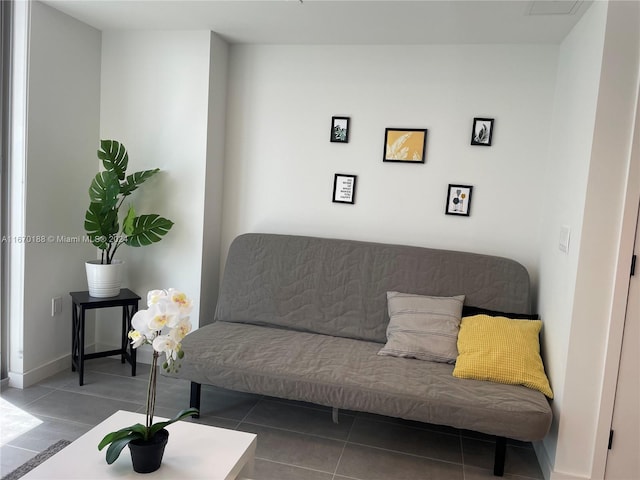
x,y
482,131
340,129
344,188
459,200
404,145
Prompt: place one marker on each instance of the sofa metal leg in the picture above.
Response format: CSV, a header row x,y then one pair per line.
x,y
334,414
194,401
501,450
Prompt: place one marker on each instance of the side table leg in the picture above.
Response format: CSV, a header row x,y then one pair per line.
x,y
123,335
81,346
132,351
74,336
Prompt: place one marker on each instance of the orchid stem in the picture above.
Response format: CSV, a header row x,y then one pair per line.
x,y
151,393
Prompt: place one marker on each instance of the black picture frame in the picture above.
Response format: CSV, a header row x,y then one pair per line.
x,y
482,131
344,188
459,200
408,145
340,129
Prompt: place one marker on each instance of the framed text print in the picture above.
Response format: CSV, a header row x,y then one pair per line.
x,y
344,188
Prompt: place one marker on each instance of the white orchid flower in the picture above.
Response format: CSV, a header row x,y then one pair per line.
x,y
155,296
181,300
140,323
167,309
180,330
137,338
163,314
167,345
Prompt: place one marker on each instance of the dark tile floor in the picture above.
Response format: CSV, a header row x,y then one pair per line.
x,y
295,440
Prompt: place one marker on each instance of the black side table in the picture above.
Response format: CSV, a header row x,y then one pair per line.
x,y
82,302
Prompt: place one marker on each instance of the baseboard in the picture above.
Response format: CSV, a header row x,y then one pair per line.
x,y
547,469
566,476
24,380
33,376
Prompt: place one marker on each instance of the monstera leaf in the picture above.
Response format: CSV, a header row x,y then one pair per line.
x,y
100,226
148,229
107,192
134,180
114,157
104,190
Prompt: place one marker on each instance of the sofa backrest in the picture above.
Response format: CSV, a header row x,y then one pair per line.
x,y
338,287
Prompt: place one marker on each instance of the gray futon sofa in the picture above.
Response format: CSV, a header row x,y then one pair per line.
x,y
303,318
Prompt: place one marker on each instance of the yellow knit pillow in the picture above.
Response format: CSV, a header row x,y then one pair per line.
x,y
502,350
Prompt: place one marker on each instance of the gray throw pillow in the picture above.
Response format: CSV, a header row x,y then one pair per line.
x,y
423,327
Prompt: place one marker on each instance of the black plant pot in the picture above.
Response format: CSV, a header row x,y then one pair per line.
x,y
147,455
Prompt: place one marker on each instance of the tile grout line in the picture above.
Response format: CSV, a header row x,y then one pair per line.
x,y
295,466
344,447
6,445
249,413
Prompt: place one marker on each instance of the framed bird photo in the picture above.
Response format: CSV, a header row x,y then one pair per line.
x,y
482,131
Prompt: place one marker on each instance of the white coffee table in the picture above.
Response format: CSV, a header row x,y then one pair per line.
x,y
194,451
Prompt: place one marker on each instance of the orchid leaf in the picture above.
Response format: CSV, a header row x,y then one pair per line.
x,y
113,452
113,436
114,157
138,430
148,229
119,439
187,412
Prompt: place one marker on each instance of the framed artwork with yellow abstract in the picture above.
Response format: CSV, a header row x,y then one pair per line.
x,y
405,145
459,200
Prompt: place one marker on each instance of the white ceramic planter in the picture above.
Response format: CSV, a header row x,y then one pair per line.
x,y
104,280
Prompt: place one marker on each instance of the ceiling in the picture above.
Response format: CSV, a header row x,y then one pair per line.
x,y
334,22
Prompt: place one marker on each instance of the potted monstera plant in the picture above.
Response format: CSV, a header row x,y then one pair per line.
x,y
106,228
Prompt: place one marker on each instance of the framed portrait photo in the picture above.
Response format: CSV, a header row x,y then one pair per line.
x,y
405,145
482,131
340,129
344,188
459,200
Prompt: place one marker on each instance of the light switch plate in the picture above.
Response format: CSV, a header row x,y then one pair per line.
x,y
565,235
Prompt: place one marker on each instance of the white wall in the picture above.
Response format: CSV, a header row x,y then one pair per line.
x,y
212,230
595,100
280,164
565,182
556,160
155,99
593,308
62,131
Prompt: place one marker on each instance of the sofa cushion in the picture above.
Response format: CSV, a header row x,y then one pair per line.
x,y
345,373
423,327
503,350
339,287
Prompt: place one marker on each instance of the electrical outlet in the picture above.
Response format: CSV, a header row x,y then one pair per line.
x,y
56,306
